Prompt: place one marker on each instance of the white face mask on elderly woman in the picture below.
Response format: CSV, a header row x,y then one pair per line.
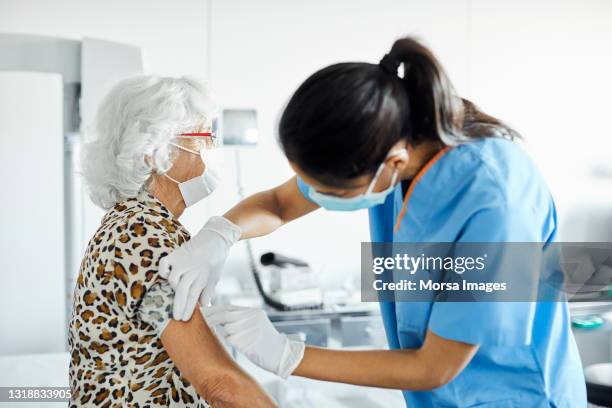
x,y
199,187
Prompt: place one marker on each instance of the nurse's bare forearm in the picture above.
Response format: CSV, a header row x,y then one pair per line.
x,y
426,368
397,369
264,212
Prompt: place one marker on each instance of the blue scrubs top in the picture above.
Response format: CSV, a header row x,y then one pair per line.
x,y
483,191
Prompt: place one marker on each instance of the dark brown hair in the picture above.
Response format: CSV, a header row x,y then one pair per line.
x,y
343,120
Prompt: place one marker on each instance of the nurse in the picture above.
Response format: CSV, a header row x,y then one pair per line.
x,y
430,167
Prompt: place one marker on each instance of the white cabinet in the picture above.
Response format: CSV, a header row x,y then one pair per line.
x,y
32,270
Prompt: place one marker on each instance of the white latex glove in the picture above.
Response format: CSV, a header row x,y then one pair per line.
x,y
194,269
251,332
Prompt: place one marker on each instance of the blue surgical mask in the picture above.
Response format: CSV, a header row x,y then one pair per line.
x,y
366,200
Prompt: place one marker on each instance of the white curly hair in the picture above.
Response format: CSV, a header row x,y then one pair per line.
x,y
138,119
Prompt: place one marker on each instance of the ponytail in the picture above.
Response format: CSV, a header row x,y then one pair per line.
x,y
435,112
343,120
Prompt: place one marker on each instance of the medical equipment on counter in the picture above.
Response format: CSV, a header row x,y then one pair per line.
x,y
292,284
287,273
354,325
587,322
270,258
306,298
599,384
589,272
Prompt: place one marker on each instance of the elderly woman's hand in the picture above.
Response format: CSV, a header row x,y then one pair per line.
x,y
194,269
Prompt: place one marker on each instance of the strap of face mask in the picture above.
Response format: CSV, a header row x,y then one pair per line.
x,y
186,149
394,177
375,179
392,153
177,182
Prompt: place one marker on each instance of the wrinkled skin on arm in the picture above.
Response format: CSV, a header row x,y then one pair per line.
x,y
203,361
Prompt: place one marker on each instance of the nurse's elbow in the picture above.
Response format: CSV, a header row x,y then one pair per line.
x,y
439,378
428,370
442,368
443,359
436,372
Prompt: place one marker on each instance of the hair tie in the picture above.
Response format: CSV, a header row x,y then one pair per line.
x,y
390,64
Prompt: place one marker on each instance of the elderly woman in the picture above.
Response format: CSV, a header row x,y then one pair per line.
x,y
145,166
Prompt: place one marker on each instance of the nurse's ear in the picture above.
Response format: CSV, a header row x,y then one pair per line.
x,y
398,156
417,157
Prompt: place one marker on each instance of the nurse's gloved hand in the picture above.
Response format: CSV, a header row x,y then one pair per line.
x,y
250,331
194,269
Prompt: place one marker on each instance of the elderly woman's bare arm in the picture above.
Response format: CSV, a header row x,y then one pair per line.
x,y
197,353
203,361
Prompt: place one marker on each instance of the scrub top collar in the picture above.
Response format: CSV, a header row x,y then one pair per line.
x,y
414,182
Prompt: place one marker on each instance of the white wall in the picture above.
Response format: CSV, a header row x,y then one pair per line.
x,y
541,65
173,37
261,51
544,66
172,33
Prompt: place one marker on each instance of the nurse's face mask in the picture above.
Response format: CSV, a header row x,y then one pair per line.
x,y
197,188
366,200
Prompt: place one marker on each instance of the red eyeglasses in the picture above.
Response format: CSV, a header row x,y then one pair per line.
x,y
209,139
204,134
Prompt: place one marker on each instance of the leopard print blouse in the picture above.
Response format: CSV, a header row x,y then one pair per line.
x,y
121,307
